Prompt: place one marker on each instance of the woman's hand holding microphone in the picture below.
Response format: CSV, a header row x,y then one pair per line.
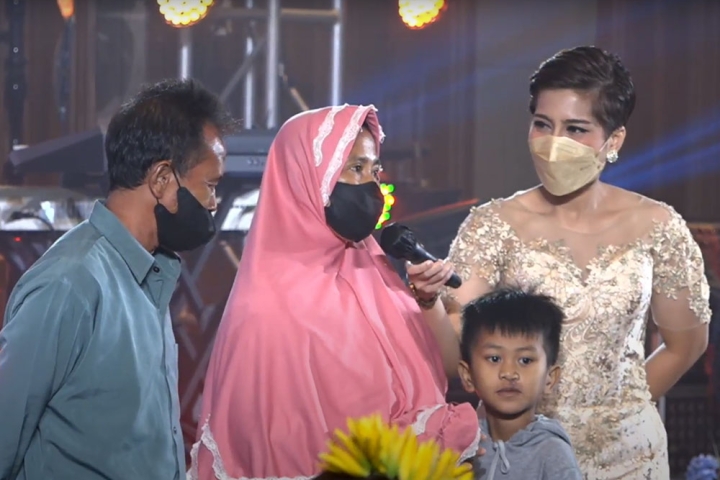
x,y
427,279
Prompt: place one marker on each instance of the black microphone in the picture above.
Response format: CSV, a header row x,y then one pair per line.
x,y
399,241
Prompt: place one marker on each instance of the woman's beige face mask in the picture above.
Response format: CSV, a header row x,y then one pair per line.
x,y
565,165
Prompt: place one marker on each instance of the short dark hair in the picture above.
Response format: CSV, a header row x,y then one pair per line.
x,y
513,312
591,70
164,121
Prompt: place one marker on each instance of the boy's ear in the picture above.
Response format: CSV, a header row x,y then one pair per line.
x,y
466,377
553,376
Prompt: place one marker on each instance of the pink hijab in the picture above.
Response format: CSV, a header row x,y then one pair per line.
x,y
315,331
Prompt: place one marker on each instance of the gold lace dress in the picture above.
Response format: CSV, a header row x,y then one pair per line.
x,y
607,284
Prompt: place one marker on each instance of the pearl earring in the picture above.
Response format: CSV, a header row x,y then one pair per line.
x,y
612,156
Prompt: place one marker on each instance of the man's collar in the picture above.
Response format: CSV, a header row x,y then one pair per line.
x,y
136,257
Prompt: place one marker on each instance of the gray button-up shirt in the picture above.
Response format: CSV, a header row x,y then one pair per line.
x,y
88,362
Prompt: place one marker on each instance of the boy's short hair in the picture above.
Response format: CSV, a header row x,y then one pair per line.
x,y
513,312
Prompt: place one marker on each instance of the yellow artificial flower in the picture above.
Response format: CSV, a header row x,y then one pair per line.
x,y
372,447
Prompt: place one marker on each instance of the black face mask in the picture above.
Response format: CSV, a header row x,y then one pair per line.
x,y
191,227
354,210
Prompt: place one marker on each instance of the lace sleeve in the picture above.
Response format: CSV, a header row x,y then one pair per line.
x,y
479,245
681,295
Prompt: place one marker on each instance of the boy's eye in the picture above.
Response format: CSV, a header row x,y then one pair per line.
x,y
526,361
493,358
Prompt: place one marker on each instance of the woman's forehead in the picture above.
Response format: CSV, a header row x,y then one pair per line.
x,y
565,104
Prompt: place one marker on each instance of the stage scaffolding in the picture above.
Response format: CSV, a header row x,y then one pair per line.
x,y
273,17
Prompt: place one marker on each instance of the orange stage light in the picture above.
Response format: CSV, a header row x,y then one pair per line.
x,y
184,13
417,14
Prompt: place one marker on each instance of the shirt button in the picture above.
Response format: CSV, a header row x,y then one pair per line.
x,y
156,269
175,430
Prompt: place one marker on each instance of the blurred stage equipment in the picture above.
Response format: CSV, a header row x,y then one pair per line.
x,y
270,43
31,219
184,13
15,82
387,189
79,158
247,153
244,165
67,8
42,209
417,14
63,65
121,60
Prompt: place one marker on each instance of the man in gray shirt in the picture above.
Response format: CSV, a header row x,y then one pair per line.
x,y
88,360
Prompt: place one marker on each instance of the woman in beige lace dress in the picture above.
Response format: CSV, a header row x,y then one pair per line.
x,y
611,258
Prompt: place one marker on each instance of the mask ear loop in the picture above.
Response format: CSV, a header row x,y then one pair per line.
x,y
157,200
177,180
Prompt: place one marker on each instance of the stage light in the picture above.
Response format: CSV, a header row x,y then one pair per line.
x,y
67,8
387,190
184,13
417,14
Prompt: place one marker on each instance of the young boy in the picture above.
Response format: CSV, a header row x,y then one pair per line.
x,y
509,346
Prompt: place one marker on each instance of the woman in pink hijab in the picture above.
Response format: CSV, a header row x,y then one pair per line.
x,y
319,327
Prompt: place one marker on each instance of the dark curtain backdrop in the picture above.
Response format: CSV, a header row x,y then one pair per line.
x,y
43,31
673,51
